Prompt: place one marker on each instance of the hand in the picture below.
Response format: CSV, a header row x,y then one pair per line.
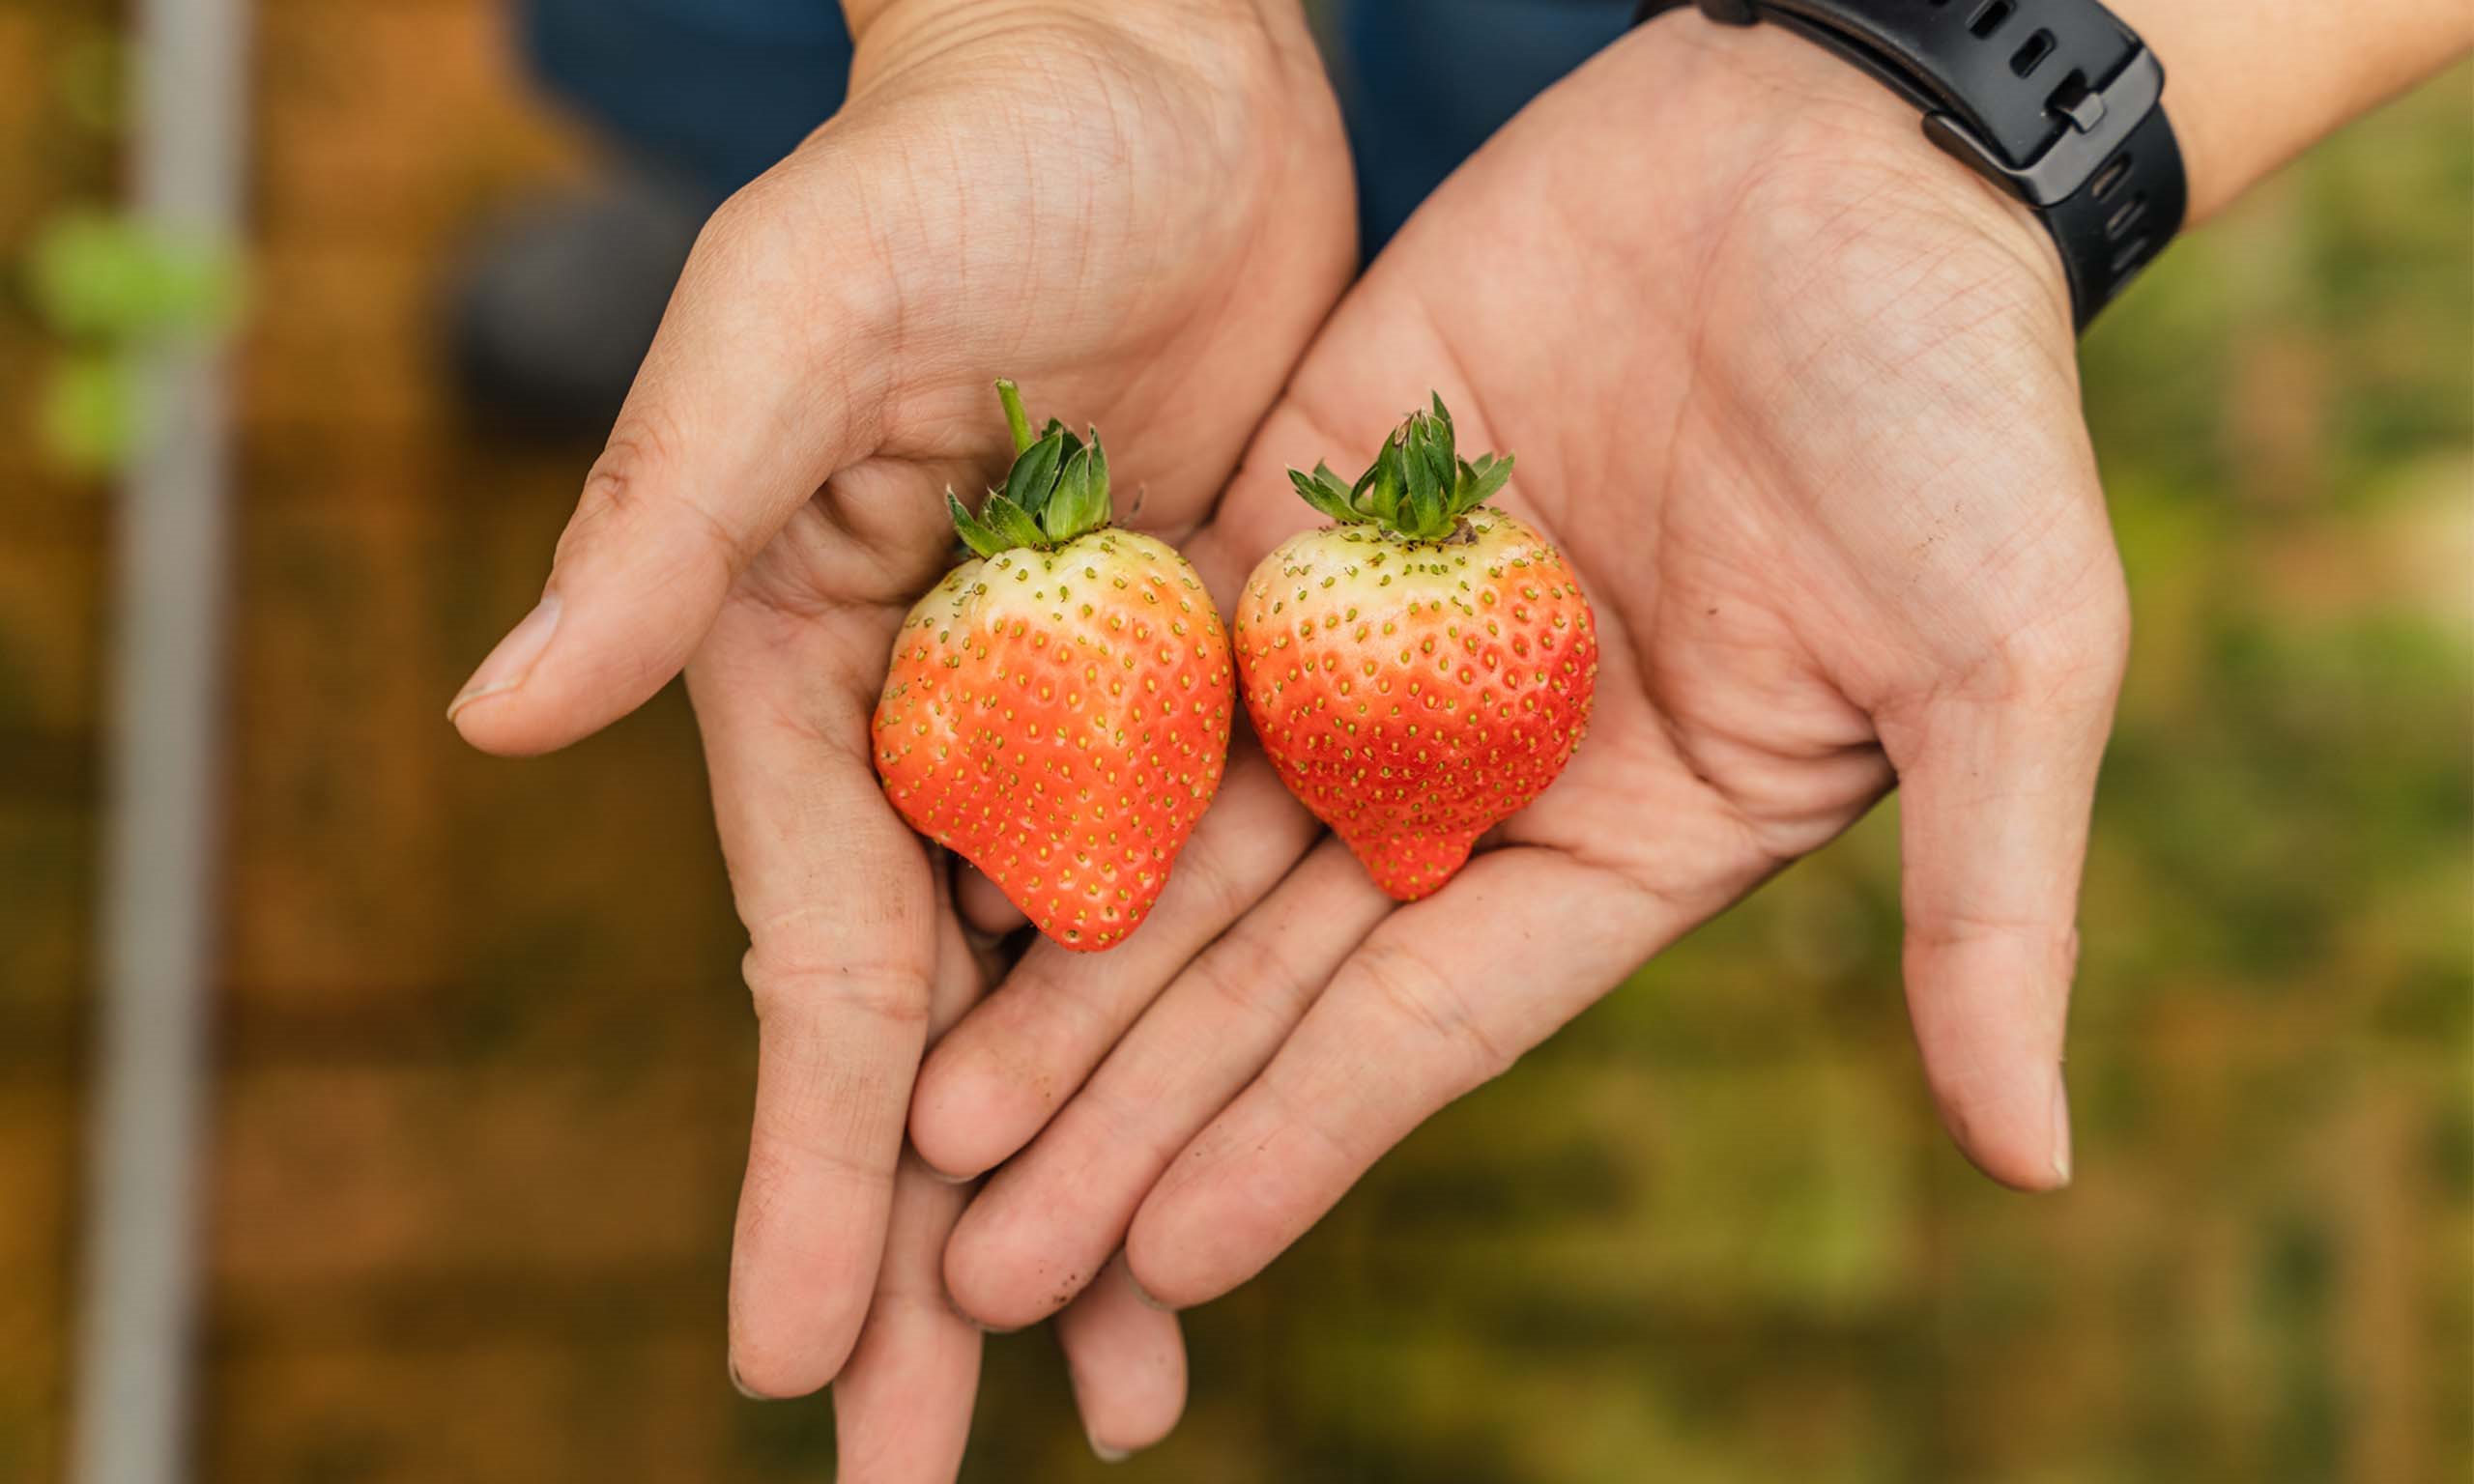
x,y
1796,394
1140,211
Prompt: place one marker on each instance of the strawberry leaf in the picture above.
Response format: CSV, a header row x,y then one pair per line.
x,y
1417,487
1423,517
1379,492
1081,501
1034,474
1480,481
1323,490
978,538
1010,524
1099,460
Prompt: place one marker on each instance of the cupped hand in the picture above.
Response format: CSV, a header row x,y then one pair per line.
x,y
1797,397
1141,212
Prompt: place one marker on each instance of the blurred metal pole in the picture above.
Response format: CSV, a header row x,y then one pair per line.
x,y
137,1326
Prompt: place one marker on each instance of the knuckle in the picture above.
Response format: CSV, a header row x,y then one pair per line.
x,y
1214,890
2075,656
631,504
1244,973
614,487
784,984
1427,1002
1998,948
741,224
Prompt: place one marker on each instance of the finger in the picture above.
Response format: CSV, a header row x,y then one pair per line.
x,y
840,907
991,1084
1128,1361
1995,794
1442,997
984,903
749,399
1048,1218
902,1408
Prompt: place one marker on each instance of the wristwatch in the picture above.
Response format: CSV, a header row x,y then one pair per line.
x,y
2055,102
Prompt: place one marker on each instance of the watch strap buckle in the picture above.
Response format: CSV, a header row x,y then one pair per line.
x,y
2095,123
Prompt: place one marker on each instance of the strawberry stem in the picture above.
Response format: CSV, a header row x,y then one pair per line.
x,y
1017,420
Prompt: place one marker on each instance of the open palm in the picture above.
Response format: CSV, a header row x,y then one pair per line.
x,y
1796,396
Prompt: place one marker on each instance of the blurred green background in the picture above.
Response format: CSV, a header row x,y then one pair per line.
x,y
483,1065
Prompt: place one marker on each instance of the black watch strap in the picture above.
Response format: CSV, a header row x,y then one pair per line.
x,y
2055,102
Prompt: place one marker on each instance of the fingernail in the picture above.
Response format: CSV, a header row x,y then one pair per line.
x,y
740,1386
2060,1127
1110,1455
512,661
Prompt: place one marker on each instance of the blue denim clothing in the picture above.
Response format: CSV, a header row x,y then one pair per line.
x,y
1424,82
713,90
706,91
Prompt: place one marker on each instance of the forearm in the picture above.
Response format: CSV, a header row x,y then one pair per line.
x,y
2252,83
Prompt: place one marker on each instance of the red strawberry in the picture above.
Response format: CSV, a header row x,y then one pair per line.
x,y
1421,669
1057,709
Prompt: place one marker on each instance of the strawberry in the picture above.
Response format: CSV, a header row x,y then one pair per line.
x,y
1421,669
1057,709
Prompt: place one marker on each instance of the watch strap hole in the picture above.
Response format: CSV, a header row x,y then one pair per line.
x,y
2126,216
2028,58
2109,179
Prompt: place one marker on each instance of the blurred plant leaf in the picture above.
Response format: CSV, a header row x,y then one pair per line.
x,y
94,275
86,420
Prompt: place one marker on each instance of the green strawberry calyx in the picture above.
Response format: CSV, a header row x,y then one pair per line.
x,y
1057,489
1417,487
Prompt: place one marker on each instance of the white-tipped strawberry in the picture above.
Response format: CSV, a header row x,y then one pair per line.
x,y
1424,668
1057,708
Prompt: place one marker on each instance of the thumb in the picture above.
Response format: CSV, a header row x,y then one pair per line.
x,y
1995,783
743,407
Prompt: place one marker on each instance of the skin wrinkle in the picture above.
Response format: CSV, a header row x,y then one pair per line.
x,y
844,746
1245,971
770,237
1427,998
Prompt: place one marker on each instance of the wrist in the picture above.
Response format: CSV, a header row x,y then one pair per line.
x,y
1242,56
2248,86
863,15
1802,113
